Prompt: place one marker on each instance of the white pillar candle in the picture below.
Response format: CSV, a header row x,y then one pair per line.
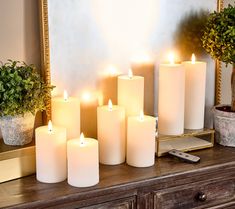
x,y
131,93
66,113
83,162
50,154
171,99
195,90
111,134
141,141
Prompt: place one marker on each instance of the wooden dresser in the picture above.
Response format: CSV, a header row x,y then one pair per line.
x,y
169,184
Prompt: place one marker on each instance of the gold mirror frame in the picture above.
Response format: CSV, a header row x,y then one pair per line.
x,y
21,162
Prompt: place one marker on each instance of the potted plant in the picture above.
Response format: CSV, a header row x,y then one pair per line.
x,y
22,94
219,41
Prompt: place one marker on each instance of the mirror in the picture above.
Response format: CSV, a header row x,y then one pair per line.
x,y
225,74
19,40
82,38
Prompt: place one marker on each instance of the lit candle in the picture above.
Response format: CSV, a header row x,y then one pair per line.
x,y
111,134
50,154
66,113
131,93
141,140
171,98
143,65
83,162
195,90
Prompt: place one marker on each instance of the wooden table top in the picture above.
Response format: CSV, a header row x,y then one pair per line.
x,y
28,190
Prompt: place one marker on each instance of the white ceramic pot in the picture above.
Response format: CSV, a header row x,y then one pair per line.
x,y
17,130
224,123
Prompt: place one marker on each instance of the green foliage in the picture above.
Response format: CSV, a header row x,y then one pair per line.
x,y
219,35
21,89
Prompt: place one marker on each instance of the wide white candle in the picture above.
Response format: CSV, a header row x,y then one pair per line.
x,y
50,154
141,141
66,113
111,134
195,90
131,93
171,99
83,162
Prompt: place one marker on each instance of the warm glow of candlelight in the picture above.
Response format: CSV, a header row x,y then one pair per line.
x,y
193,58
50,126
86,96
141,115
171,58
112,70
66,95
110,105
82,139
130,73
141,58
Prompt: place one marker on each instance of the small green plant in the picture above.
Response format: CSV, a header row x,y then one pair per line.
x,y
22,89
219,40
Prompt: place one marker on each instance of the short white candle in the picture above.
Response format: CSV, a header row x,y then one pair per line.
x,y
141,141
111,134
50,154
66,113
131,93
83,162
171,98
195,90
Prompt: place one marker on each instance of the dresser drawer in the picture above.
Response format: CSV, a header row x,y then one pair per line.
x,y
199,195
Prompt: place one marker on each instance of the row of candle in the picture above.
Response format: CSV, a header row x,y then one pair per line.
x,y
134,141
181,96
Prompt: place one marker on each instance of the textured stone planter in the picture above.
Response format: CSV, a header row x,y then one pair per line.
x,y
224,123
17,130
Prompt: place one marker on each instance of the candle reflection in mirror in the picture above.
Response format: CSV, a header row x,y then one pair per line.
x,y
89,104
143,65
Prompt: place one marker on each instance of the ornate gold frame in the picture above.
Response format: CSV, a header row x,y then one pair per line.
x,y
22,161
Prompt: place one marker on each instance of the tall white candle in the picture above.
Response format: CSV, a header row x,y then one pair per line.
x,y
111,134
195,90
66,113
171,99
141,141
83,162
50,154
131,93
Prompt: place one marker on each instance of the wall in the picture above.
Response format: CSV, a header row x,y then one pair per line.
x,y
19,36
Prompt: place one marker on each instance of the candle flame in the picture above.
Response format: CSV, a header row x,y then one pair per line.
x,y
50,126
141,115
193,58
66,95
110,105
171,58
130,73
82,138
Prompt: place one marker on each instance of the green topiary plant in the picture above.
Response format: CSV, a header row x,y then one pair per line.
x,y
219,40
21,89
